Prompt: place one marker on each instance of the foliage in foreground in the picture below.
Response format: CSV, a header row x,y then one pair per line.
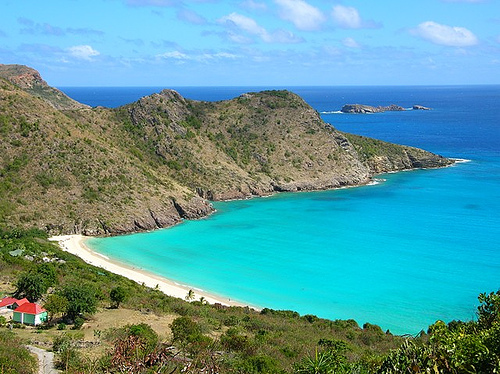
x,y
14,357
459,347
213,338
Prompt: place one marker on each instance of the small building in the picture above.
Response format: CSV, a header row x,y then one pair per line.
x,y
30,314
12,303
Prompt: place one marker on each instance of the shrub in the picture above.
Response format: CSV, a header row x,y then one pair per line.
x,y
14,357
118,295
79,321
185,330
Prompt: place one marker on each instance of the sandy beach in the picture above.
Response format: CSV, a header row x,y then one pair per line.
x,y
75,244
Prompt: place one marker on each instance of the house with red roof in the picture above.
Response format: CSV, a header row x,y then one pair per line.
x,y
12,303
30,313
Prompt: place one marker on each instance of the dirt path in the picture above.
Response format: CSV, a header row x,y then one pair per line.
x,y
45,360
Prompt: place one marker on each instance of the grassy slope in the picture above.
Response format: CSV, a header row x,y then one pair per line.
x,y
144,165
69,172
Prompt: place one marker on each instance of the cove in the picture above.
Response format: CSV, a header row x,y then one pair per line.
x,y
401,254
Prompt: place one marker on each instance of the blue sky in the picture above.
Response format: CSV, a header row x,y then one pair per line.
x,y
253,42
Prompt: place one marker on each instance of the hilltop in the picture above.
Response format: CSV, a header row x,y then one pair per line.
x,y
68,168
31,81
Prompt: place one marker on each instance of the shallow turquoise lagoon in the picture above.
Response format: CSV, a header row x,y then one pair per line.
x,y
414,249
404,253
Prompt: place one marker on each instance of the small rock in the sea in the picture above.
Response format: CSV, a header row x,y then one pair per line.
x,y
420,107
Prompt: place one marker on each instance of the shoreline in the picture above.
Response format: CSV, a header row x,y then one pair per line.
x,y
75,244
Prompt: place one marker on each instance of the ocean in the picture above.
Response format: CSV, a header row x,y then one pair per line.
x,y
417,247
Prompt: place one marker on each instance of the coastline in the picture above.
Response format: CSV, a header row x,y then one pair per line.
x,y
75,244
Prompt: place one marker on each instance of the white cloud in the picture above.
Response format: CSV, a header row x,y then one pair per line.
x,y
244,23
200,57
346,17
451,36
303,15
249,26
84,52
350,43
176,55
285,37
254,5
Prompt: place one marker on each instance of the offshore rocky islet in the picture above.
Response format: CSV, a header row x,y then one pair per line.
x,y
69,168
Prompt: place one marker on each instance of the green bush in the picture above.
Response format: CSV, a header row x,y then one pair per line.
x,y
79,321
185,330
118,295
14,357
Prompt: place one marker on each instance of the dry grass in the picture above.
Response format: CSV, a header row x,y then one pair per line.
x,y
103,320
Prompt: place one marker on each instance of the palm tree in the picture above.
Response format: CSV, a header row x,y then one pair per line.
x,y
190,295
321,363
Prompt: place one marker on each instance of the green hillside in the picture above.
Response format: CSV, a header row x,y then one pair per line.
x,y
153,162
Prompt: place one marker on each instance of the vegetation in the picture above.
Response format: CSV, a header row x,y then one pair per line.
x,y
34,283
118,295
457,347
14,357
69,168
234,339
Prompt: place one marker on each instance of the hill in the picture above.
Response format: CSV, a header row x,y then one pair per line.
x,y
151,163
30,80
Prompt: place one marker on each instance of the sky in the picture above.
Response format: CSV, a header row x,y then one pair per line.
x,y
283,43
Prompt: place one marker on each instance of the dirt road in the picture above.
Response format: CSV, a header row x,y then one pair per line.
x,y
45,360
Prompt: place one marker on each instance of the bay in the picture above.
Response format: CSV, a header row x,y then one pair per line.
x,y
418,247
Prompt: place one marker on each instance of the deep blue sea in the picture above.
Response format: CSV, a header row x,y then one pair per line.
x,y
416,248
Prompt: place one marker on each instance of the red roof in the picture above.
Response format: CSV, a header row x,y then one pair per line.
x,y
7,301
22,301
30,308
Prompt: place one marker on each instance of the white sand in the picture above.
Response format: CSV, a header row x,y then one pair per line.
x,y
75,244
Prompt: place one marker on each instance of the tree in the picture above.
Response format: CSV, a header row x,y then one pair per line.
x,y
190,295
35,283
56,305
118,295
30,285
48,272
82,298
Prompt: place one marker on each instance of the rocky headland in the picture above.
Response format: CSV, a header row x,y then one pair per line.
x,y
68,168
364,109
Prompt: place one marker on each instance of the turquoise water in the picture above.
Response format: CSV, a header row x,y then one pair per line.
x,y
418,247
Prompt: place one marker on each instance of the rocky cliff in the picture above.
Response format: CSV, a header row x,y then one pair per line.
x,y
152,163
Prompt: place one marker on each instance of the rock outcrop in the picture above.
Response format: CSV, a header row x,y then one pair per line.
x,y
31,81
363,109
420,107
